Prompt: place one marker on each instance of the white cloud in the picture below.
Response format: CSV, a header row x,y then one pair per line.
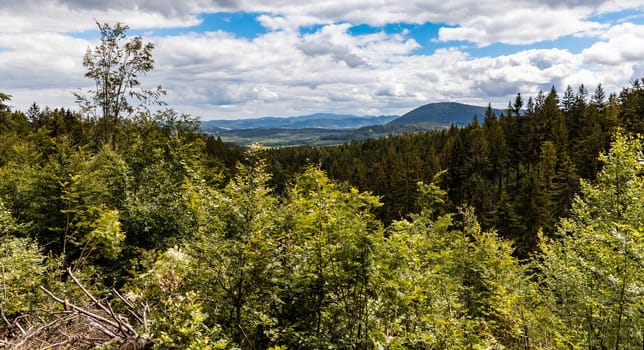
x,y
624,43
49,18
333,41
482,21
283,72
520,26
300,81
40,59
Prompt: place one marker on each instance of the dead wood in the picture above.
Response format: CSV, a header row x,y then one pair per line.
x,y
80,326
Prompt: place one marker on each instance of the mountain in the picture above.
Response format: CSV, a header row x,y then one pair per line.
x,y
316,121
318,137
444,113
326,128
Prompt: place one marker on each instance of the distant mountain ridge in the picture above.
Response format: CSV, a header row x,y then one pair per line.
x,y
444,113
311,121
327,128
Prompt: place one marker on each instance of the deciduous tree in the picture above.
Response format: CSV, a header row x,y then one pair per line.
x,y
116,66
594,265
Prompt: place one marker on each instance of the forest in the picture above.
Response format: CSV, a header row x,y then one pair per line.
x,y
123,226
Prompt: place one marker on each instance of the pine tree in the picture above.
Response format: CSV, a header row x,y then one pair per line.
x,y
4,98
594,265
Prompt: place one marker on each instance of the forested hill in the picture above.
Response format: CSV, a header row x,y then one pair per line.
x,y
443,113
519,169
433,113
329,129
318,120
416,241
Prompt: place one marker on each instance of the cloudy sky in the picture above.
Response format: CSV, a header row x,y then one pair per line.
x,y
225,59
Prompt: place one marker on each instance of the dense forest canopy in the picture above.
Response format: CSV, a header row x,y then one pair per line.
x,y
519,169
123,226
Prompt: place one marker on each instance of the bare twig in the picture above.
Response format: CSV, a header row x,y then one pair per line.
x,y
108,309
130,306
4,283
89,295
22,330
15,322
246,336
4,317
125,301
53,346
79,309
103,329
34,332
146,307
121,323
102,320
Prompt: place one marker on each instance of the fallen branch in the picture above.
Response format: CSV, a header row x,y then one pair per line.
x,y
130,308
15,322
108,309
79,309
32,333
104,320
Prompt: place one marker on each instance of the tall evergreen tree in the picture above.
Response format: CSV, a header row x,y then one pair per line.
x,y
594,265
4,98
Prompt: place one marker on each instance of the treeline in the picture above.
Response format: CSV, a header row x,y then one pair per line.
x,y
519,170
212,260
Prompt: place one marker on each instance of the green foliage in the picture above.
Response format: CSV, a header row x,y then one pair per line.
x,y
105,238
631,107
115,66
417,305
155,210
181,326
177,317
440,288
161,152
594,267
494,167
328,249
91,228
8,225
502,297
297,273
229,258
4,98
275,253
23,270
238,251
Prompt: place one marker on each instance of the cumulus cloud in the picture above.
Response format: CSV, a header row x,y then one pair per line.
x,y
523,15
332,40
287,72
623,43
520,26
40,59
390,84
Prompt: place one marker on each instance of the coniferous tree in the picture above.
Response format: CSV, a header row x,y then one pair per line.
x,y
594,265
4,98
632,102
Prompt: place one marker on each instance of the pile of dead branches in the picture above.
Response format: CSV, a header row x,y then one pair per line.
x,y
79,327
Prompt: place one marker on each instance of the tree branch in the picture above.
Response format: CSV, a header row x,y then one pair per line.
x,y
79,309
108,309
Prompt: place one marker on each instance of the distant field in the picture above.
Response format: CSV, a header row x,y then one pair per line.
x,y
329,129
319,137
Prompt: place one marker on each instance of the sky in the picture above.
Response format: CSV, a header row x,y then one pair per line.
x,y
230,59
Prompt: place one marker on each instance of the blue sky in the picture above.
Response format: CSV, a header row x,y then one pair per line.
x,y
223,59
